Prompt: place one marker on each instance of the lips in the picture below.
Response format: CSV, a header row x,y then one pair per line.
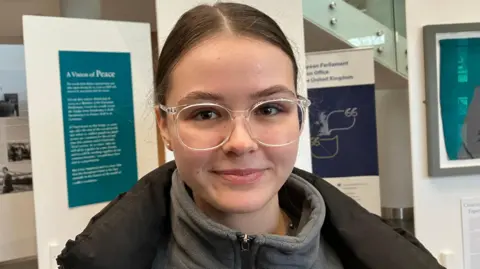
x,y
241,176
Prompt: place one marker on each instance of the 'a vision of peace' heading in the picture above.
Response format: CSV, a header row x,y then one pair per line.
x,y
94,74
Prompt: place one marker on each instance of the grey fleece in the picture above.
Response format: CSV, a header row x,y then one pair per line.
x,y
199,242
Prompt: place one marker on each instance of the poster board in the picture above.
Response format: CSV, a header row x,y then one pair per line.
x,y
113,108
470,208
17,220
341,86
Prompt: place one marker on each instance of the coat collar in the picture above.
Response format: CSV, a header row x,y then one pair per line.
x,y
127,233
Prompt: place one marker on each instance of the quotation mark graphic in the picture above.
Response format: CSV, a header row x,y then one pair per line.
x,y
330,146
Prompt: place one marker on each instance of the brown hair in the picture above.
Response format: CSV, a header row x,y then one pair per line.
x,y
205,20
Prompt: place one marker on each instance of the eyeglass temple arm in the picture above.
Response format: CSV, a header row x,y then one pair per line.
x,y
166,109
304,101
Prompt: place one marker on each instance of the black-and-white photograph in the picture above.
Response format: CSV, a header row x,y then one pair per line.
x,y
18,152
9,105
12,98
14,181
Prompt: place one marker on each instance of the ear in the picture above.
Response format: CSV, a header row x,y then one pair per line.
x,y
163,127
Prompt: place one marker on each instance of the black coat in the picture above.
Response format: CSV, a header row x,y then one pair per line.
x,y
127,233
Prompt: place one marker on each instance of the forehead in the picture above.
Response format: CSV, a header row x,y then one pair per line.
x,y
231,66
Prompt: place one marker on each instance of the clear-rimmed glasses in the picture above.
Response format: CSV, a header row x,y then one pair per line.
x,y
206,126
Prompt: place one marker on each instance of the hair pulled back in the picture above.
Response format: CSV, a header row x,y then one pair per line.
x,y
204,21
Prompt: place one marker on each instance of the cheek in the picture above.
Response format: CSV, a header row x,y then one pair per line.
x,y
193,160
191,164
283,158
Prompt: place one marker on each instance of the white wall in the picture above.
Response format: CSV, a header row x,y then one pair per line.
x,y
437,200
44,37
287,13
394,159
17,227
17,216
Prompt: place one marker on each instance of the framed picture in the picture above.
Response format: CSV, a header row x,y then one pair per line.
x,y
452,85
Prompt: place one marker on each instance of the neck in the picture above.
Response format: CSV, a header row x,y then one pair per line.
x,y
268,220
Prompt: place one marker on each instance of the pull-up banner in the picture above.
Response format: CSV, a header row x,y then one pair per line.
x,y
91,118
341,86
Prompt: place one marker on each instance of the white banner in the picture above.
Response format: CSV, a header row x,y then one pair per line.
x,y
471,231
92,122
341,86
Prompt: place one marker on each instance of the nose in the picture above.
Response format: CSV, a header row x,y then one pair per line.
x,y
240,141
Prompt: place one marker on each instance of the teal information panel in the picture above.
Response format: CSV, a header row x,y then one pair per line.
x,y
98,124
460,97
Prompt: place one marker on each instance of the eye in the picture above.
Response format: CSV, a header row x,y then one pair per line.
x,y
268,110
202,113
205,115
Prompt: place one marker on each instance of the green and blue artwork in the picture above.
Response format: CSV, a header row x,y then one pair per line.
x,y
460,97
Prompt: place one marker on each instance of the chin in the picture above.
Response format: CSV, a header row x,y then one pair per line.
x,y
241,203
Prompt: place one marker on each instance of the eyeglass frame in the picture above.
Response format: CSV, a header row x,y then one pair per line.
x,y
301,101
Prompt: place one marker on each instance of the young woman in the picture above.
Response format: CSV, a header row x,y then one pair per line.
x,y
229,110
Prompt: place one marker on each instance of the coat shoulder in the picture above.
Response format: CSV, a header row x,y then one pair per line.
x,y
135,222
365,237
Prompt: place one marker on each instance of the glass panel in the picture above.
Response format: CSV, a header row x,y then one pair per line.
x,y
391,14
379,10
365,23
401,29
399,17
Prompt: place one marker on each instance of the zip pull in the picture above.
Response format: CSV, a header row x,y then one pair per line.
x,y
245,242
245,248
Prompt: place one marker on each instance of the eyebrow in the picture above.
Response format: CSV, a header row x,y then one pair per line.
x,y
272,90
196,96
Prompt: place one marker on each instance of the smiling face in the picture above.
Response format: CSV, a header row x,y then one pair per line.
x,y
237,72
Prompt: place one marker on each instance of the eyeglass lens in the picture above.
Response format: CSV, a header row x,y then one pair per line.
x,y
203,126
